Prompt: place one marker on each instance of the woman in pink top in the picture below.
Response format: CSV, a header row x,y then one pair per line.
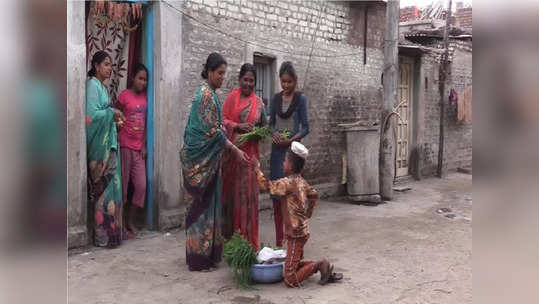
x,y
132,137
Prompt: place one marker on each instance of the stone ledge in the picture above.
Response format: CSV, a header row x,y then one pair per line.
x,y
169,219
77,236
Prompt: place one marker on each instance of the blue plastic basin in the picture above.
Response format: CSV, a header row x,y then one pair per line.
x,y
267,273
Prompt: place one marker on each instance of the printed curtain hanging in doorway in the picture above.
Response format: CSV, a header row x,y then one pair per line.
x,y
108,28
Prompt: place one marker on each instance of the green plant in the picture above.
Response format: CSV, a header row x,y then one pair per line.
x,y
256,134
239,254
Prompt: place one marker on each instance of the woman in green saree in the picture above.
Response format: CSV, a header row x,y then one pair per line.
x,y
104,171
204,142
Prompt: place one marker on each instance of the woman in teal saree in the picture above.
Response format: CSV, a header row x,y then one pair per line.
x,y
204,142
104,171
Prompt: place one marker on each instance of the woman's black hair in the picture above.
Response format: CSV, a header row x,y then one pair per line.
x,y
297,162
214,61
139,67
98,57
288,68
247,67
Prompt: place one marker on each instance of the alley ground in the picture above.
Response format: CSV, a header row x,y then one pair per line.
x,y
404,251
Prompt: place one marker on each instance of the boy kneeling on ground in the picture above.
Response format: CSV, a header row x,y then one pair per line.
x,y
299,200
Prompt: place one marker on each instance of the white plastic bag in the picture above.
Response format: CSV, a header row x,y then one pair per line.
x,y
267,254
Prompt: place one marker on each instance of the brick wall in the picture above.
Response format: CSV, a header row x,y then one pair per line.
x,y
458,136
429,155
464,17
458,151
338,89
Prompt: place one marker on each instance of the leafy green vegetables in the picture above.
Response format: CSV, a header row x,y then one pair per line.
x,y
239,254
258,134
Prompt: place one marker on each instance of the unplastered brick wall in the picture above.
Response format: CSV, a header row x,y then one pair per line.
x,y
458,147
457,136
464,17
429,157
320,38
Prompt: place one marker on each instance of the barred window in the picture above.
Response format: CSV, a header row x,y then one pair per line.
x,y
265,75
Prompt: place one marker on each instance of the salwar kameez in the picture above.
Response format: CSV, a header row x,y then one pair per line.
x,y
240,187
295,122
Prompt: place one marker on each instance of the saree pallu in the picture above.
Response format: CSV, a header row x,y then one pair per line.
x,y
240,186
104,170
201,155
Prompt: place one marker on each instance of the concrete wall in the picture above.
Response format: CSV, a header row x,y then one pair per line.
x,y
76,136
338,89
170,115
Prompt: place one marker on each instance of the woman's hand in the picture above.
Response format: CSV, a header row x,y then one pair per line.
x,y
256,164
241,156
245,127
118,115
277,138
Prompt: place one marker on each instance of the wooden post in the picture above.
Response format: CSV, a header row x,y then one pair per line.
x,y
390,77
443,77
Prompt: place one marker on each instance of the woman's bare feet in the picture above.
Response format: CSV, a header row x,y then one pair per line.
x,y
130,235
211,269
131,221
131,227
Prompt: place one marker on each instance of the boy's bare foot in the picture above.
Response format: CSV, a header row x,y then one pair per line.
x,y
325,271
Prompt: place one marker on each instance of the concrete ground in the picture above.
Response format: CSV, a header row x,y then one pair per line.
x,y
403,251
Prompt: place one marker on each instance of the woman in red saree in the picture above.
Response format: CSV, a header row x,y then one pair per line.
x,y
242,112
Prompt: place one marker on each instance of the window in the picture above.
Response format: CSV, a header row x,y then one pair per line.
x,y
265,71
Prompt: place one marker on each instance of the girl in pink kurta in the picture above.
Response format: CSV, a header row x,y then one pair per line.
x,y
132,137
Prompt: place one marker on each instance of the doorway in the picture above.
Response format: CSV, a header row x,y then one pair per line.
x,y
128,42
404,123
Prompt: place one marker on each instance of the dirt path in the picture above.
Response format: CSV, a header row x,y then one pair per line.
x,y
403,251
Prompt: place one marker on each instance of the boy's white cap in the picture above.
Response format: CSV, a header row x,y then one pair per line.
x,y
299,149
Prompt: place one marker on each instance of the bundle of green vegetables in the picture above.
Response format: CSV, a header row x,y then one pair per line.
x,y
239,254
258,134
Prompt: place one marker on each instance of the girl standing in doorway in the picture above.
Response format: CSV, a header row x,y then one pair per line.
x,y
288,112
132,137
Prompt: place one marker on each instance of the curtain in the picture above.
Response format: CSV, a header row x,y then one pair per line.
x,y
109,36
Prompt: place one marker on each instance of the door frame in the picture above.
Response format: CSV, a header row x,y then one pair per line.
x,y
411,103
148,60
